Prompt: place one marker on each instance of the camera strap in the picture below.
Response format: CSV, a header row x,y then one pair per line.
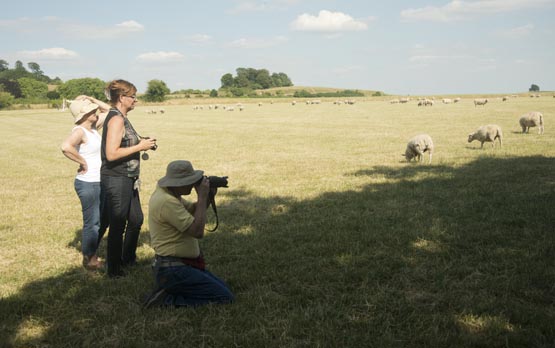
x,y
212,202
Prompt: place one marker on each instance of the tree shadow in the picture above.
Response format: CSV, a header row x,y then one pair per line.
x,y
435,256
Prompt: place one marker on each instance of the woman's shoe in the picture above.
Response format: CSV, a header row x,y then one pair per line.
x,y
92,263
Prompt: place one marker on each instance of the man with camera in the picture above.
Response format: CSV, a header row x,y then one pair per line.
x,y
176,224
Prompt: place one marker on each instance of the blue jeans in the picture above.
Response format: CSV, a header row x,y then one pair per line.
x,y
126,217
191,287
89,195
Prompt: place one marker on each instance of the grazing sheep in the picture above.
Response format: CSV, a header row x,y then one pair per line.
x,y
428,102
394,101
446,101
456,100
487,133
532,119
162,111
505,98
293,103
417,146
480,102
404,100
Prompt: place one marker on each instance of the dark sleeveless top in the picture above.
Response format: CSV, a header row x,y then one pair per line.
x,y
127,166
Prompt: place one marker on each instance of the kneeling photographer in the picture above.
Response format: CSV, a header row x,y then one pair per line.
x,y
176,224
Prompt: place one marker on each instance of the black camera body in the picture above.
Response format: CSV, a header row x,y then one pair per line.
x,y
153,147
217,181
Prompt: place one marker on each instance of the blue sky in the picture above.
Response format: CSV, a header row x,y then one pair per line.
x,y
399,47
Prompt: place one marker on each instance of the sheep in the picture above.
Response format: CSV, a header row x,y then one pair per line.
x,y
446,101
487,133
417,146
456,100
394,101
162,111
531,119
428,102
480,102
404,100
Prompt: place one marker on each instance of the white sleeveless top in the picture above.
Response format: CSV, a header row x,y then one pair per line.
x,y
90,151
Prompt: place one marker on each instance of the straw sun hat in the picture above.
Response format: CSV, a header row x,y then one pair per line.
x,y
80,108
180,173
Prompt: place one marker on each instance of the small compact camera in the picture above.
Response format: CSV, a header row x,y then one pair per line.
x,y
154,147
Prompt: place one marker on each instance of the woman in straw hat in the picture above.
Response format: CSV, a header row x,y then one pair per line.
x,y
83,146
121,146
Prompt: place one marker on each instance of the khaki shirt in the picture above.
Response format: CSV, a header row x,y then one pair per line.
x,y
168,219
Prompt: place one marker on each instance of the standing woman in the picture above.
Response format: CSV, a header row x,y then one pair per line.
x,y
121,146
83,146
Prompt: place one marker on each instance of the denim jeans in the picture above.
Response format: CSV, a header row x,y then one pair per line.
x,y
190,287
126,217
89,195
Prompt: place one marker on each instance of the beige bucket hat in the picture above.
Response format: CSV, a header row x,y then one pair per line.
x,y
80,108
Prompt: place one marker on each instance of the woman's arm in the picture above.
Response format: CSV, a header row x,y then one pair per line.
x,y
69,149
104,108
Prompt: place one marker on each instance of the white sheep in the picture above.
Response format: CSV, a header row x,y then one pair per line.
x,y
417,146
480,102
487,133
532,119
446,101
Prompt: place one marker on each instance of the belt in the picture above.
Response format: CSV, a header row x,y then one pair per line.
x,y
168,261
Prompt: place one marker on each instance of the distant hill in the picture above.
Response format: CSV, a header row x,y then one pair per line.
x,y
290,91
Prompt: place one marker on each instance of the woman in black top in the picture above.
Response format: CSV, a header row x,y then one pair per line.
x,y
119,176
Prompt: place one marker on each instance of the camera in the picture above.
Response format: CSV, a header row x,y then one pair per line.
x,y
217,181
154,147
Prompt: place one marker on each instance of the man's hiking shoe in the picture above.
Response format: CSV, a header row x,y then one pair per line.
x,y
155,299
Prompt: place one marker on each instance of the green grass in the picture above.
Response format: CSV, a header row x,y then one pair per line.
x,y
326,237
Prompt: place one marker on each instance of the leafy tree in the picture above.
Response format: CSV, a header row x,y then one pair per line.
x,y
534,88
11,87
3,65
52,95
263,79
241,81
89,86
255,79
213,93
32,88
156,91
35,68
19,66
227,80
6,99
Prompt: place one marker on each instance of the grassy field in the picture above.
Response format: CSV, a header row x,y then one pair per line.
x,y
326,237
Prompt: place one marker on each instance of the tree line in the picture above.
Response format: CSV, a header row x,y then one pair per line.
x,y
22,86
250,79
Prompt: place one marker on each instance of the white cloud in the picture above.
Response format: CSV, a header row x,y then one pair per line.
x,y
160,57
460,10
516,33
199,38
327,21
55,53
260,6
130,26
101,32
257,42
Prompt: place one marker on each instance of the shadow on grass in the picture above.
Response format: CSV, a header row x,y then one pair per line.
x,y
434,257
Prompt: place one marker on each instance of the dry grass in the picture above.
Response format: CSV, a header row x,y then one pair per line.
x,y
327,238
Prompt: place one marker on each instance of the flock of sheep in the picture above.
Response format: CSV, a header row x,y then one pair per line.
x,y
418,145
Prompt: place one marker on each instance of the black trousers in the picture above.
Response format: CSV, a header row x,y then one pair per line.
x,y
123,207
